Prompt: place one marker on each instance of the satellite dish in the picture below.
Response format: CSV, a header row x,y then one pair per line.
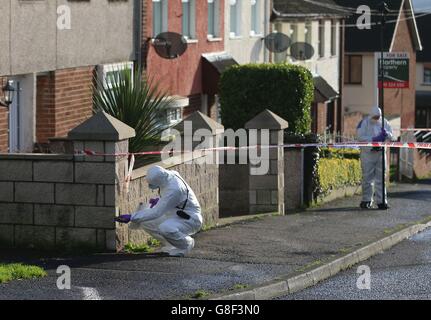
x,y
170,45
277,42
301,51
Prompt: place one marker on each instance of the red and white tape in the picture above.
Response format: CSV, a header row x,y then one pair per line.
x,y
414,129
402,145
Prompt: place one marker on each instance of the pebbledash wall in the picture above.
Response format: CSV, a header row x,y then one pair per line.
x,y
203,179
70,201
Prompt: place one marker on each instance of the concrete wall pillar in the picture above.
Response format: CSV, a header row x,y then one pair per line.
x,y
267,191
104,134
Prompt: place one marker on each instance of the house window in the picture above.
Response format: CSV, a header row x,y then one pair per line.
x,y
321,39
308,32
174,116
160,16
188,18
293,34
427,75
235,18
110,73
255,17
353,69
333,38
213,18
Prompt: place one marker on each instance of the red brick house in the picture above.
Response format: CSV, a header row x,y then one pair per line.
x,y
362,51
193,77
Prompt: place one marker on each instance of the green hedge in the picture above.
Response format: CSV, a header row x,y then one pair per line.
x,y
247,90
337,173
340,153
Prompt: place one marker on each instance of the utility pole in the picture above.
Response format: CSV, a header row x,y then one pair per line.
x,y
383,8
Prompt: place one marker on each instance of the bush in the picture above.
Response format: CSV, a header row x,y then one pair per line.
x,y
247,90
337,173
340,153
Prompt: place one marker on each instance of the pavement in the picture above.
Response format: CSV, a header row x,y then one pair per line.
x,y
247,254
400,273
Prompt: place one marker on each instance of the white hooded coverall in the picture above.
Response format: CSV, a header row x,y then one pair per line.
x,y
371,160
162,221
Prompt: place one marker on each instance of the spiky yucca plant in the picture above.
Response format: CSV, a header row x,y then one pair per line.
x,y
136,101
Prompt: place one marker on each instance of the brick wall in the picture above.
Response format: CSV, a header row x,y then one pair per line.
x,y
195,104
4,126
402,101
64,100
45,107
350,123
321,113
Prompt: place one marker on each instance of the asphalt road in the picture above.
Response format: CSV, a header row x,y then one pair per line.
x,y
404,272
242,254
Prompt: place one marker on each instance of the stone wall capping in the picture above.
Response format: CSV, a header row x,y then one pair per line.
x,y
102,127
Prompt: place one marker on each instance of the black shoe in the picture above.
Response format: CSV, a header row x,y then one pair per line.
x,y
383,206
365,205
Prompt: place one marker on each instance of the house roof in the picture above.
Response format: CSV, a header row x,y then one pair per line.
x,y
368,40
323,90
424,25
220,61
288,9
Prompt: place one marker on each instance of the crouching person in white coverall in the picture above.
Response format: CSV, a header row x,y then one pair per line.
x,y
174,217
370,129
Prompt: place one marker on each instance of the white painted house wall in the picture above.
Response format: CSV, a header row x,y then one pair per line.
x,y
245,47
327,66
362,97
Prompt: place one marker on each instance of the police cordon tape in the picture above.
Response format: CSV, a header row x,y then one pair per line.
x,y
347,145
354,145
413,129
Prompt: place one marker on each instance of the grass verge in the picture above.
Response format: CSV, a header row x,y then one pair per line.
x,y
17,271
148,247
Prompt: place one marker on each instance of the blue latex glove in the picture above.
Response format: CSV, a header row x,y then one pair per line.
x,y
124,218
153,202
381,137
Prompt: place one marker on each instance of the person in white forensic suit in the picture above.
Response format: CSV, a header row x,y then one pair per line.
x,y
174,218
370,129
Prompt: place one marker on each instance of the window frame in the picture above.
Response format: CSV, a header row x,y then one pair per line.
x,y
334,41
191,25
321,39
348,69
163,16
216,19
238,7
255,27
427,69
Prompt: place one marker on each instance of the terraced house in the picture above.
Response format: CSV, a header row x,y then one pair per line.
x,y
363,48
320,25
193,77
50,51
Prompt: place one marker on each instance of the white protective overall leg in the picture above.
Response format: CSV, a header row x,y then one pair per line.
x,y
378,185
152,228
368,174
177,232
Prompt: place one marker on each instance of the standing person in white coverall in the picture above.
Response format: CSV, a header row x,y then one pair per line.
x,y
370,130
174,217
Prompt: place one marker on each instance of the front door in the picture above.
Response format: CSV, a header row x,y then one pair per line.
x,y
15,119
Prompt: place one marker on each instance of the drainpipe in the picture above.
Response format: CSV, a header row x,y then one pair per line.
x,y
138,32
268,8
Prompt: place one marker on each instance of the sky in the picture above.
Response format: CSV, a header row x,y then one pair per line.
x,y
420,4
